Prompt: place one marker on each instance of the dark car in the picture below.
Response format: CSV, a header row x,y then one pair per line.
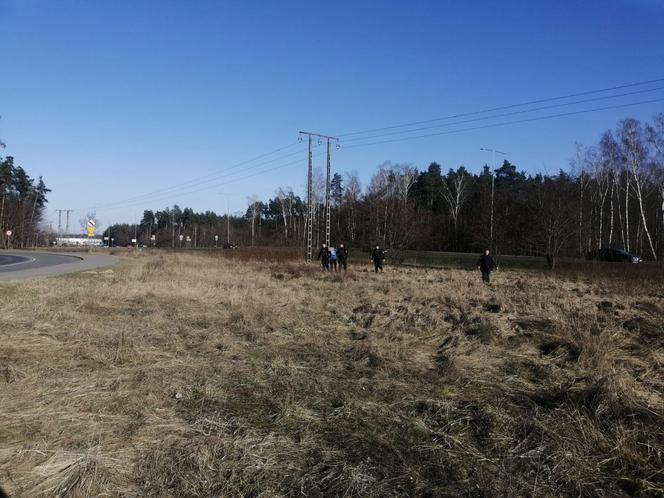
x,y
229,245
613,256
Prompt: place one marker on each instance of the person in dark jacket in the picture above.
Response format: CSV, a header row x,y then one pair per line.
x,y
486,265
378,258
324,257
342,257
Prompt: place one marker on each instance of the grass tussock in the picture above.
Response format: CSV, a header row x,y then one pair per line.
x,y
190,375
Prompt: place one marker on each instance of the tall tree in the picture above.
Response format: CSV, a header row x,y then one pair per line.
x,y
636,153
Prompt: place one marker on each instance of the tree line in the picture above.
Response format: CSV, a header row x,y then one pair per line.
x,y
611,195
22,205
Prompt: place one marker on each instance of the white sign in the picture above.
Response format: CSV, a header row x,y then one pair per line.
x,y
9,233
133,241
181,237
188,238
154,237
216,237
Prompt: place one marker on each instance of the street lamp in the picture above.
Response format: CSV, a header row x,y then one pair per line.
x,y
493,185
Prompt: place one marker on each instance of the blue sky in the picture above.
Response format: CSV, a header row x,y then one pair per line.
x,y
112,100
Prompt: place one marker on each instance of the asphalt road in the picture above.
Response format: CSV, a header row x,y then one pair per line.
x,y
15,265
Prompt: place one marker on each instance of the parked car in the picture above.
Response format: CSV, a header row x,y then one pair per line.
x,y
229,245
613,256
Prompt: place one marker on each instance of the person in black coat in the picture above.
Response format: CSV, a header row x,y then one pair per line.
x,y
342,257
324,257
378,258
486,265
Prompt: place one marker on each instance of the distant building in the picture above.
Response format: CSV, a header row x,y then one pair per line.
x,y
74,240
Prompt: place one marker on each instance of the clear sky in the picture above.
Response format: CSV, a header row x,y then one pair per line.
x,y
113,100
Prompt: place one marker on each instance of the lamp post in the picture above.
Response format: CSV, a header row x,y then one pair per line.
x,y
493,186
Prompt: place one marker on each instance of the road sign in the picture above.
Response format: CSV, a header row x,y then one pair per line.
x,y
133,241
216,237
181,237
153,237
91,227
9,233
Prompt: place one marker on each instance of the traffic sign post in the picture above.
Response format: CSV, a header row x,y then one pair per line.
x,y
92,224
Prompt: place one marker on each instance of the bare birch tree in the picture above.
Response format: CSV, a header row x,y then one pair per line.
x,y
455,192
636,154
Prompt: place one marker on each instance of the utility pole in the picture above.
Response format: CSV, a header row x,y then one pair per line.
x,y
493,187
327,197
67,211
228,222
310,194
173,230
310,204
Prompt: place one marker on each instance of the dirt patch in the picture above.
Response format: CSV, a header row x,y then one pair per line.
x,y
561,349
648,332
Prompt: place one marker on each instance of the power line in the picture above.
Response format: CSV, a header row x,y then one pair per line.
x,y
513,113
461,130
191,183
202,179
501,108
506,123
207,187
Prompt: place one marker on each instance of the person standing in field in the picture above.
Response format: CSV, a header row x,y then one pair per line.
x,y
378,258
486,265
342,257
324,257
333,258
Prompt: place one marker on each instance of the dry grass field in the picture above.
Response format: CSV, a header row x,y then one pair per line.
x,y
193,375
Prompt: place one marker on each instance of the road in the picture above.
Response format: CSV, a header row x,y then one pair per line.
x,y
16,265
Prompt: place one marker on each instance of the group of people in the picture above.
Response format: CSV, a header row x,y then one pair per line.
x,y
336,259
333,258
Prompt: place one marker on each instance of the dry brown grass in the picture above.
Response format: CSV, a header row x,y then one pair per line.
x,y
189,375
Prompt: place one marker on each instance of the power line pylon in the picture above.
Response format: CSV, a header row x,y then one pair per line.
x,y
60,211
310,194
67,211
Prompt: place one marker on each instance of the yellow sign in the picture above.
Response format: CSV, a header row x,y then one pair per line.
x,y
91,227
